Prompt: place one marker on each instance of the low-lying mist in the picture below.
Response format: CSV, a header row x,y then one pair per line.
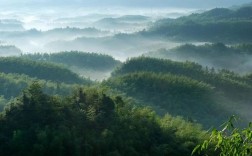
x,y
236,58
109,30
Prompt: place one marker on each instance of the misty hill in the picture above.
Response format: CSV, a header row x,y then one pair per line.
x,y
74,32
109,43
236,58
41,70
93,65
247,4
9,50
13,84
128,23
223,80
120,46
218,25
11,25
221,14
185,89
34,40
111,22
127,19
32,33
176,95
79,59
57,33
77,19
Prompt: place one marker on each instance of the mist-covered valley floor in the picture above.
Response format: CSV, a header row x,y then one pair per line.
x,y
110,31
122,80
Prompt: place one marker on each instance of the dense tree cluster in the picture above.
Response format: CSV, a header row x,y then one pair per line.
x,y
92,61
223,80
13,84
9,50
177,95
90,123
41,70
185,89
3,102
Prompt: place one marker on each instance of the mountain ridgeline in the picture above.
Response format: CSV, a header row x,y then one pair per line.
x,y
236,58
216,25
47,71
90,65
8,50
14,84
186,89
52,71
92,61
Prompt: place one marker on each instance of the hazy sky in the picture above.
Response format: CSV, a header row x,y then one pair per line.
x,y
131,3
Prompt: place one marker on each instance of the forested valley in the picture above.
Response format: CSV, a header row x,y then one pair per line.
x,y
189,98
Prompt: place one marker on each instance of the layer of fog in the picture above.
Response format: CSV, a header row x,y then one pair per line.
x,y
51,17
97,29
219,59
239,62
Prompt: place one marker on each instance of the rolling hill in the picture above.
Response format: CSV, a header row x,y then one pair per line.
x,y
93,65
217,25
235,58
185,89
41,70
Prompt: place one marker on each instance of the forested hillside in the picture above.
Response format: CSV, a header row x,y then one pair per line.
x,y
16,74
92,65
218,55
91,123
92,61
41,70
8,50
216,25
13,84
185,89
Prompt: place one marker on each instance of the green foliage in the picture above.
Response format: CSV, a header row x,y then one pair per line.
x,y
185,89
90,123
217,25
230,141
217,55
174,94
229,83
41,70
9,50
13,84
3,102
92,61
244,48
158,66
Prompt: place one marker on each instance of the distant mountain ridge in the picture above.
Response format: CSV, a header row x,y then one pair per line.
x,y
218,25
11,25
218,55
40,70
9,50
